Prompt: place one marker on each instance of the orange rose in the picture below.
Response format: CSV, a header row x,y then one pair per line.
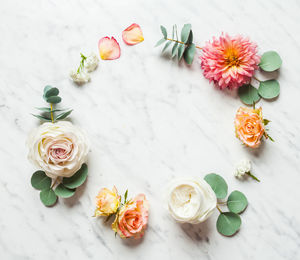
x,y
249,126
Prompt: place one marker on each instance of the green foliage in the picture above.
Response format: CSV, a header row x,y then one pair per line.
x,y
228,223
269,89
48,197
248,94
189,53
166,46
63,115
161,41
218,185
164,31
64,192
77,179
237,202
185,32
270,61
40,181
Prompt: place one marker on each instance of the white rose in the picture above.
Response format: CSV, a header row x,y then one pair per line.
x,y
59,148
191,200
80,77
91,62
242,167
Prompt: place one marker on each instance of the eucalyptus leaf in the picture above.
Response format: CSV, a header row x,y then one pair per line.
x,y
248,94
53,99
185,32
180,51
237,202
270,61
44,109
48,197
189,53
40,181
190,39
173,31
44,118
164,31
46,88
228,223
64,192
77,179
51,92
218,185
63,115
161,41
269,89
174,49
166,46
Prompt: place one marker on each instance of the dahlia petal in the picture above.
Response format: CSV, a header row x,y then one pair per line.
x,y
109,48
133,34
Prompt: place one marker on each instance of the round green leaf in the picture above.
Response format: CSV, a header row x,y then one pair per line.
x,y
40,181
228,223
51,92
270,61
189,53
248,94
269,89
218,184
77,179
237,202
46,88
64,192
53,99
48,197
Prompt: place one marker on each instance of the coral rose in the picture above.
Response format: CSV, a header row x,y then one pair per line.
x,y
107,201
131,221
249,126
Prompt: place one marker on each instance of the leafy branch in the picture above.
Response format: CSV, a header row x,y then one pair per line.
x,y
49,113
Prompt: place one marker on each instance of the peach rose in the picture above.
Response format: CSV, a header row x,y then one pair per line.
x,y
107,201
131,221
249,126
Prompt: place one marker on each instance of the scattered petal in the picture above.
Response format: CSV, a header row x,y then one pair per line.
x,y
109,48
133,34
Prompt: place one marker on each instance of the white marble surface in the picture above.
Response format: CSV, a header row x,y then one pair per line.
x,y
149,120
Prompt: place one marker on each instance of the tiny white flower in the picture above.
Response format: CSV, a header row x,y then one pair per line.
x,y
91,62
80,77
242,167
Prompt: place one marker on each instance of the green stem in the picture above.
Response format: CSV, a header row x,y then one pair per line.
x,y
256,79
51,112
252,176
81,66
219,209
172,40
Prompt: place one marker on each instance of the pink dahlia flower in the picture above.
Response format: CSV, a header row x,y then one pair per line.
x,y
229,62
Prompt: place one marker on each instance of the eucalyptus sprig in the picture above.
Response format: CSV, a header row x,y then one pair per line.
x,y
228,222
182,48
49,113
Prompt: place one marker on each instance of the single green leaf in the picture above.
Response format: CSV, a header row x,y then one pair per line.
x,y
164,31
48,109
180,51
64,192
46,88
48,197
40,181
190,39
53,99
189,53
270,61
44,118
166,46
266,121
174,49
269,89
125,196
173,31
218,184
185,32
63,115
77,179
51,92
248,94
161,41
237,202
228,223
270,138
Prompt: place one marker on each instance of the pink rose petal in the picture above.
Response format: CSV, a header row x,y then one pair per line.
x,y
133,34
109,48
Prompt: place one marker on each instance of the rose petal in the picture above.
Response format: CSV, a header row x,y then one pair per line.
x,y
133,34
109,48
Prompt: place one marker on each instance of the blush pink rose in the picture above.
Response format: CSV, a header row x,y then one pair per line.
x,y
132,219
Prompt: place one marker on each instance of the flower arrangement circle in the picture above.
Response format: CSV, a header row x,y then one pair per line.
x,y
131,216
59,149
229,61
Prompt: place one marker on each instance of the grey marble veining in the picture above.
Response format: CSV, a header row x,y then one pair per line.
x,y
149,120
